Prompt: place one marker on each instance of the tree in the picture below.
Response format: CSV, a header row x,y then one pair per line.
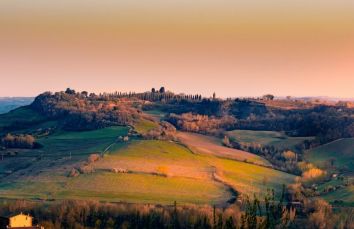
x,y
84,93
70,91
153,90
162,90
214,96
268,97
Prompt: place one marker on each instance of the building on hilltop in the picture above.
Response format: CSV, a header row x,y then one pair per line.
x,y
18,221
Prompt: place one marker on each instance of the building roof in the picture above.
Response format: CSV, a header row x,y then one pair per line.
x,y
16,214
32,227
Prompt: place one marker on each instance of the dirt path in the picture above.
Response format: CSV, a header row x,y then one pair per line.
x,y
231,189
211,146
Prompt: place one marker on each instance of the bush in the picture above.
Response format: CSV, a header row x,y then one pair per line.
x,y
19,141
313,173
93,157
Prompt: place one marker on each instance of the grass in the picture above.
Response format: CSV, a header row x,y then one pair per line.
x,y
272,138
249,179
345,194
146,188
212,146
20,115
80,143
143,126
178,161
157,114
341,151
160,171
57,149
109,132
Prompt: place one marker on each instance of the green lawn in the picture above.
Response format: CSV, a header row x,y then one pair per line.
x,y
270,138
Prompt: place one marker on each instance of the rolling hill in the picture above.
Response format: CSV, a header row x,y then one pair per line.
x,y
340,151
270,138
156,171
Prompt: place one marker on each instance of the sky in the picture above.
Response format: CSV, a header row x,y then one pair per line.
x,y
233,48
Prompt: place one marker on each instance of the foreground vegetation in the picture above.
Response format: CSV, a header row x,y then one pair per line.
x,y
266,214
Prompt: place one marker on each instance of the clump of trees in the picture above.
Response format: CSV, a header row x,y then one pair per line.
x,y
80,112
164,131
201,123
22,141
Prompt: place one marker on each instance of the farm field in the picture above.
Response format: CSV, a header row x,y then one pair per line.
x,y
340,154
144,126
59,149
271,138
157,172
345,196
173,160
340,151
212,146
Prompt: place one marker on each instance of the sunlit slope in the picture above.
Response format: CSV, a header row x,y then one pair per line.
x,y
172,160
212,146
148,171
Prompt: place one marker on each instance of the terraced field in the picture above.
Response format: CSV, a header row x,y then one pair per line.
x,y
271,138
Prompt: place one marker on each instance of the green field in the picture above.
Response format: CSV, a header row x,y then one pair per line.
x,y
346,195
173,160
144,126
340,151
336,157
58,148
270,138
20,115
213,146
159,172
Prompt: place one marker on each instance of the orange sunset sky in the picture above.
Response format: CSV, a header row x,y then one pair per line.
x,y
235,48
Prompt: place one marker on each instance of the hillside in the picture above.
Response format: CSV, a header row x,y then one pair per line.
x,y
212,146
276,139
158,171
159,147
341,152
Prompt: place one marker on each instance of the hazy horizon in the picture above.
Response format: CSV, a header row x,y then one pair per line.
x,y
232,48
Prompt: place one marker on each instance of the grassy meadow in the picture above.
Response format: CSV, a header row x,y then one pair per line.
x,y
156,171
213,146
271,138
20,115
341,151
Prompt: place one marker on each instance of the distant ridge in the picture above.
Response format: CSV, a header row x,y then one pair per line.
x,y
9,103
